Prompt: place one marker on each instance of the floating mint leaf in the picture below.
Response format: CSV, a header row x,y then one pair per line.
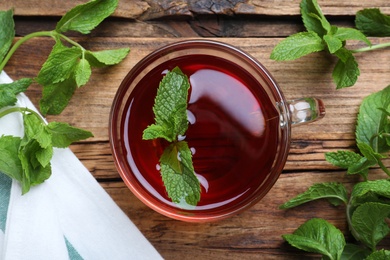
x,y
178,174
170,110
170,107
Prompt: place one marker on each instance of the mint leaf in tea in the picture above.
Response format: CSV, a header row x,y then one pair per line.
x,y
232,130
170,110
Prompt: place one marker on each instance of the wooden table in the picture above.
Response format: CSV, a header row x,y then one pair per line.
x,y
255,26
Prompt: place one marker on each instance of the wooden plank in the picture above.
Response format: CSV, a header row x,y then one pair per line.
x,y
308,76
255,233
157,9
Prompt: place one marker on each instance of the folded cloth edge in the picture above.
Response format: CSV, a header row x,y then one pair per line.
x,y
111,234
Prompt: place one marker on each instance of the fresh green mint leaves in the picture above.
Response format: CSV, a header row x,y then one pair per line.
x,y
367,211
7,32
367,208
85,17
170,107
170,110
322,36
335,193
28,159
372,136
68,67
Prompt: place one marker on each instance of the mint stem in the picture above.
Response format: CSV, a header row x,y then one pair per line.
x,y
21,110
20,42
54,34
373,47
383,167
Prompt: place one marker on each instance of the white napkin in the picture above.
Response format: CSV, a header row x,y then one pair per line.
x,y
69,216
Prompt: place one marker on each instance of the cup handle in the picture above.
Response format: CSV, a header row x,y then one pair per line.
x,y
305,110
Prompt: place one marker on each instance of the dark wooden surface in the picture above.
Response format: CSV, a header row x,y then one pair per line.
x,y
255,26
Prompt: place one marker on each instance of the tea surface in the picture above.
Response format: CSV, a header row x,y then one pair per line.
x,y
233,131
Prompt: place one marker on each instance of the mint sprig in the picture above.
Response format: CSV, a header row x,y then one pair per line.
x,y
372,136
170,110
322,36
318,236
68,67
367,207
27,159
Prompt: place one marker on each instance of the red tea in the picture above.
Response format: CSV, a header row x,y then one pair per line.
x,y
233,131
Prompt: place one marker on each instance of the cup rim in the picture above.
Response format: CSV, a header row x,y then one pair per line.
x,y
283,147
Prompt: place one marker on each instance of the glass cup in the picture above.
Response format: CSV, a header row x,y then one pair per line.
x,y
239,128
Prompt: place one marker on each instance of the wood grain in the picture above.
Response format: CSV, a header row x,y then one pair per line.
x,y
158,9
254,234
308,76
255,26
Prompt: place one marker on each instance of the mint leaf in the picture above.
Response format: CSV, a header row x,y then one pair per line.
x,y
344,34
313,18
379,255
353,162
84,18
297,45
60,65
369,153
9,161
7,32
170,107
34,172
9,91
372,22
318,236
28,159
370,191
35,129
355,252
178,175
82,72
63,134
170,110
343,159
372,120
106,57
56,96
346,72
334,192
369,222
334,44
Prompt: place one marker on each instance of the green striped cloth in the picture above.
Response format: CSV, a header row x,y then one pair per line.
x,y
69,216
